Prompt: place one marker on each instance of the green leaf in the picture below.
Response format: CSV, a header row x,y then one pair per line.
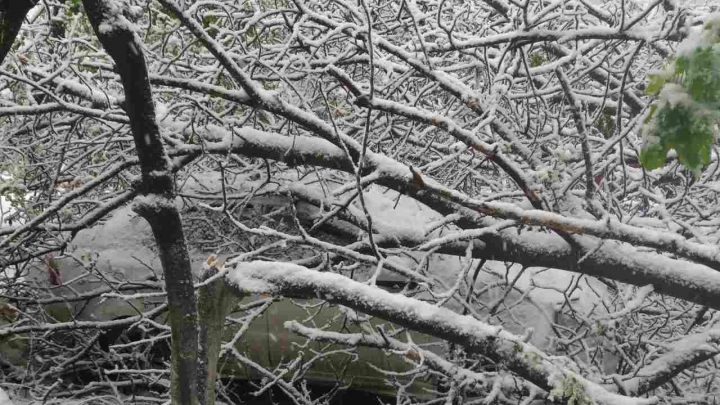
x,y
605,123
536,60
713,37
681,65
653,157
689,134
207,20
702,76
75,6
687,128
656,83
653,109
681,129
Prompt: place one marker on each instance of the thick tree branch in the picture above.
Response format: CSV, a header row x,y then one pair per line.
x,y
215,300
604,258
476,337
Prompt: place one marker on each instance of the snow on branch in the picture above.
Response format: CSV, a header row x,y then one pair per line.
x,y
525,360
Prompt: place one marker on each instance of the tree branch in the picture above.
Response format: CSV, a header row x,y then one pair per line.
x,y
684,354
677,278
476,337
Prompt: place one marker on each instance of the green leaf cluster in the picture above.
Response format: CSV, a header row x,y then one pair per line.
x,y
606,122
208,22
75,6
13,187
683,129
532,357
13,347
573,390
684,122
263,36
537,59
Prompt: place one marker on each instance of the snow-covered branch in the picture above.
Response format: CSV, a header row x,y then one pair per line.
x,y
476,337
683,354
624,263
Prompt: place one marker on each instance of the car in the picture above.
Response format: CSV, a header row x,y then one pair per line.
x,y
111,272
119,252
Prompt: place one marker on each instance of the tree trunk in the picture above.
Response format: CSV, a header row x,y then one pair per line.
x,y
156,204
12,14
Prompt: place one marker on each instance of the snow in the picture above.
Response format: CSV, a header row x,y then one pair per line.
x,y
122,246
153,201
6,209
395,215
700,36
675,95
689,44
124,229
4,398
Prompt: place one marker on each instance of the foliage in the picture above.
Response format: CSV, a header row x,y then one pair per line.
x,y
572,390
537,59
685,117
75,6
532,357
